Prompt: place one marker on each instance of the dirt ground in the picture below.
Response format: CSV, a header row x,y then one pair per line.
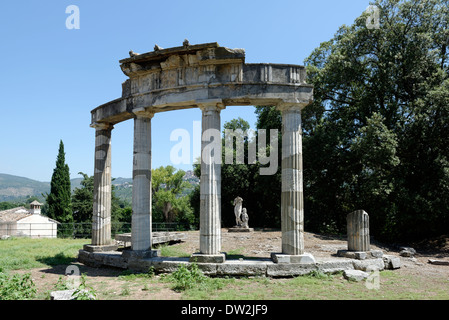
x,y
254,244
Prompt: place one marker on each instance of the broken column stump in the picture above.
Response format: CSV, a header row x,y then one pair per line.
x,y
359,246
357,223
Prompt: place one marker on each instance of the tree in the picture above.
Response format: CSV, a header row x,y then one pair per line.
x,y
59,199
168,202
375,137
82,200
82,203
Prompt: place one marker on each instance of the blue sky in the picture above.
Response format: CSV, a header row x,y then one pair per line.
x,y
52,77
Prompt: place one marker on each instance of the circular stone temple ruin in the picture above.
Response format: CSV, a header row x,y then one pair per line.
x,y
208,77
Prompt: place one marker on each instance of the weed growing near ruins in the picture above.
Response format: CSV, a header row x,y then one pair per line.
x,y
187,277
84,292
16,287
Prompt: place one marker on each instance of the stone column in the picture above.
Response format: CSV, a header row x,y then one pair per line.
x,y
141,200
210,185
101,220
358,231
292,204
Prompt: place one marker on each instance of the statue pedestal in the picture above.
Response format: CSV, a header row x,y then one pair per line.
x,y
240,229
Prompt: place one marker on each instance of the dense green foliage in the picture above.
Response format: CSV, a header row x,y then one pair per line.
x,y
59,200
376,136
82,204
16,286
170,204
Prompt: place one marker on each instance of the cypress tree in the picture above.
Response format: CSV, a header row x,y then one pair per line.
x,y
59,199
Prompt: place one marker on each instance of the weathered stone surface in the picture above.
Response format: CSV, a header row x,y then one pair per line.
x,y
439,262
208,258
210,181
376,253
360,255
335,266
391,262
242,268
292,202
101,218
140,254
358,231
289,269
233,267
407,252
369,264
141,202
67,295
166,265
104,248
305,258
355,275
240,229
175,78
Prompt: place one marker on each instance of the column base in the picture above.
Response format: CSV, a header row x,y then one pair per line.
x,y
305,258
103,248
141,254
360,255
208,258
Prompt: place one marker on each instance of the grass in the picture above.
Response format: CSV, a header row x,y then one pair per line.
x,y
188,283
25,253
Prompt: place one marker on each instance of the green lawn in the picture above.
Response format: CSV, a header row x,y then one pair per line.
x,y
26,254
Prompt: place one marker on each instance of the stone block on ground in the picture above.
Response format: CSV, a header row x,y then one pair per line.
x,y
369,264
391,262
67,295
355,275
407,252
305,258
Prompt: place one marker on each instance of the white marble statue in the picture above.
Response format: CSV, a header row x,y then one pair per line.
x,y
238,203
244,219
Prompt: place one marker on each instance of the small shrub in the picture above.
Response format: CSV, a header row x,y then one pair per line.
x,y
125,292
187,277
83,292
16,287
61,284
318,274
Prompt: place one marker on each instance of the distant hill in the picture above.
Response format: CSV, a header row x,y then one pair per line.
x,y
16,189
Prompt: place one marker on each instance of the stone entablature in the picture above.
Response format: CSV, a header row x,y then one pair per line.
x,y
184,77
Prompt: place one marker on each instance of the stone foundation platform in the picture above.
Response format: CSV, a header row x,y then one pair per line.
x,y
260,267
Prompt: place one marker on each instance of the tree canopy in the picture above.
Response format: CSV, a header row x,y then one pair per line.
x,y
375,136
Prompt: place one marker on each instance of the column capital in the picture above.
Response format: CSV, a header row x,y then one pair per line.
x,y
143,113
211,105
290,107
102,126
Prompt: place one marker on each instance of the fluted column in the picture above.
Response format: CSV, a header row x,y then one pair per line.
x,y
292,204
210,184
101,221
141,200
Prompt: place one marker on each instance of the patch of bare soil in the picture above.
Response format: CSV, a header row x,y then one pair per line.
x,y
258,244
